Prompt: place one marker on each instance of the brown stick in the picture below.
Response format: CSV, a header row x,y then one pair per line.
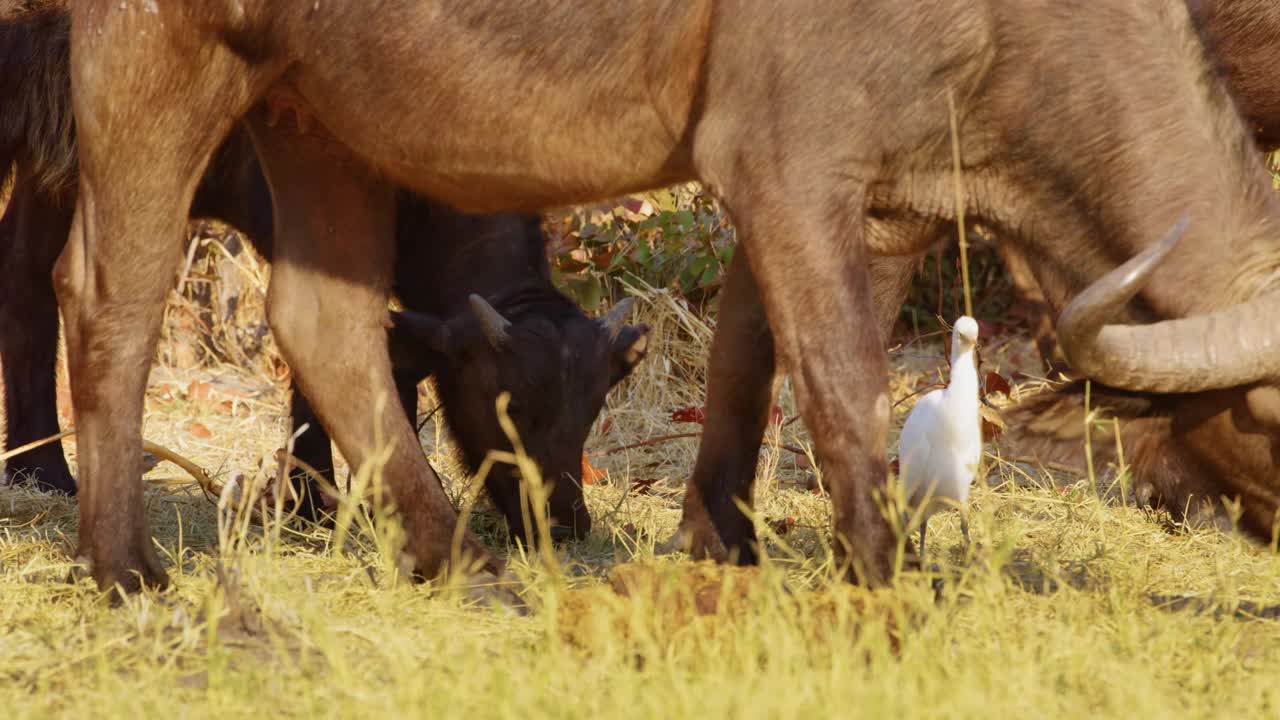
x,y
913,393
960,198
195,471
35,444
681,436
643,443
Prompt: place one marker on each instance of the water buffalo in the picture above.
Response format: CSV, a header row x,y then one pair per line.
x,y
525,338
814,122
1243,38
1187,452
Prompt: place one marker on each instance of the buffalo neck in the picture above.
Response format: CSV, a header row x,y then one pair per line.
x,y
1100,165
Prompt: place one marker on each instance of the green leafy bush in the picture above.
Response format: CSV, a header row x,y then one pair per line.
x,y
677,238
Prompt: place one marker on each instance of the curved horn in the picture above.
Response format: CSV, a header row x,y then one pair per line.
x,y
1231,347
491,321
617,317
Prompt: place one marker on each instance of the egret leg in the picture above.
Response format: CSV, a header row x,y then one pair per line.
x,y
924,525
964,527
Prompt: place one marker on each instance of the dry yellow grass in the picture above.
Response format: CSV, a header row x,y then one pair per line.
x,y
1050,614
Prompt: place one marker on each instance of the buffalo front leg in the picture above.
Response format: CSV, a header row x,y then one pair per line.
x,y
812,270
740,374
327,304
32,233
144,140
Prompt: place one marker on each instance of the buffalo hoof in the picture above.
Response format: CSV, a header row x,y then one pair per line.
x,y
43,471
562,534
698,539
938,584
126,571
492,591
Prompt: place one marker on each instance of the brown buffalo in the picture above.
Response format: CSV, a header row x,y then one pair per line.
x,y
818,124
1187,453
1243,38
484,278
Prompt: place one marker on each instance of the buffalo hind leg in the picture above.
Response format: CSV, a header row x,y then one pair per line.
x,y
327,304
32,233
312,446
1034,307
811,265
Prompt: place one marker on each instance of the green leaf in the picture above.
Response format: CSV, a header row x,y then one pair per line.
x,y
592,292
710,275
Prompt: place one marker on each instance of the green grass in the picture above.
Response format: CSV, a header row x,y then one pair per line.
x,y
1049,614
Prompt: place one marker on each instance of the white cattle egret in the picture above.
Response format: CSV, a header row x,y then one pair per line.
x,y
941,442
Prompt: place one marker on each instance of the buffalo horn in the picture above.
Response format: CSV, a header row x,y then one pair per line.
x,y
491,321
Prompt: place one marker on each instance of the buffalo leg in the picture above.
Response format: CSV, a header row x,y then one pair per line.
x,y
144,140
313,446
740,374
32,233
327,304
739,385
811,267
1035,308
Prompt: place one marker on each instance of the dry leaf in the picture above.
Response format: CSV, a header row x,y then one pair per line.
x,y
691,414
590,473
782,526
198,430
995,383
992,424
643,487
198,391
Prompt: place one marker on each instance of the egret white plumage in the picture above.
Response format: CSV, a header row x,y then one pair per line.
x,y
941,443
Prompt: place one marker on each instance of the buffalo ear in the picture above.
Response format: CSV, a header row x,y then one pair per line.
x,y
415,336
615,320
630,345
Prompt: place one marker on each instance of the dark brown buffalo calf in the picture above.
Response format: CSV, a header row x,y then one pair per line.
x,y
525,338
